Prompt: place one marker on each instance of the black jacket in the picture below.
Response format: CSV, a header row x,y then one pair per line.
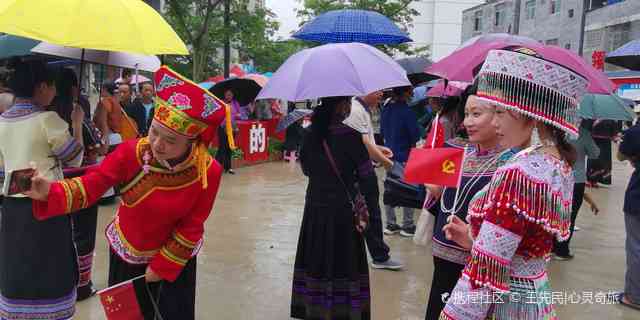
x,y
136,111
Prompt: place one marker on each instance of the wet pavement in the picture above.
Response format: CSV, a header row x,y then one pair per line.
x,y
245,267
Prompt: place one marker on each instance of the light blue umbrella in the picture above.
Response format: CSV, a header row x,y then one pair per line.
x,y
344,26
13,46
605,106
206,85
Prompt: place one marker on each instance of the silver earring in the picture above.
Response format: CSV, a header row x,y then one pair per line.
x,y
535,137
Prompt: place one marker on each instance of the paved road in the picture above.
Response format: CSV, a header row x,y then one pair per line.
x,y
245,268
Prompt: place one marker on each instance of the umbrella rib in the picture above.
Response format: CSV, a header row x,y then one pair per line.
x,y
362,89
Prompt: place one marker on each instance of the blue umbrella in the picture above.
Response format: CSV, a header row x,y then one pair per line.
x,y
627,56
348,25
206,85
291,118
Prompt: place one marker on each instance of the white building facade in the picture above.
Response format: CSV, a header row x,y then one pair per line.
x,y
439,25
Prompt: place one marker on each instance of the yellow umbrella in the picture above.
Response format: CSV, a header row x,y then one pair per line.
x,y
112,25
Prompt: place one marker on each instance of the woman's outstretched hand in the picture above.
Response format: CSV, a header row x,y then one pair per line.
x,y
40,186
457,231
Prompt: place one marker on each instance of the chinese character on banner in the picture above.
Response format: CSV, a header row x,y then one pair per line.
x,y
597,59
252,140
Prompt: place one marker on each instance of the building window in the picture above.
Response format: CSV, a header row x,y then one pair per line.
x,y
617,36
500,14
567,46
477,21
554,6
552,42
530,9
570,13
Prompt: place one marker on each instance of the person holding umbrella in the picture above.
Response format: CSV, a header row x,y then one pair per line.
x,y
170,183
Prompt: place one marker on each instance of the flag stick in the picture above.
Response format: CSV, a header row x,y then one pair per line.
x,y
455,198
435,130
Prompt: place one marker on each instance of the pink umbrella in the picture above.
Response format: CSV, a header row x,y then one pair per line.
x,y
258,78
467,59
598,81
464,63
453,89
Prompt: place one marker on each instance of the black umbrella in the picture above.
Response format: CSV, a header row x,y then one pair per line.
x,y
415,67
244,90
627,56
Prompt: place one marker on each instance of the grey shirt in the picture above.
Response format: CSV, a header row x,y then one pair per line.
x,y
585,147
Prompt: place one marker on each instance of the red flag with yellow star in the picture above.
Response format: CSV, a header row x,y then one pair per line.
x,y
439,166
120,302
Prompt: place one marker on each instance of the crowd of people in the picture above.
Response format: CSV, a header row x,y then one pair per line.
x,y
523,181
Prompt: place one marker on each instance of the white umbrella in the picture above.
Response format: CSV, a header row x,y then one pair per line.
x,y
110,58
135,79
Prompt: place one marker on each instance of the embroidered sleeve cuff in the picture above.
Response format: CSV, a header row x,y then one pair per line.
x,y
173,256
490,262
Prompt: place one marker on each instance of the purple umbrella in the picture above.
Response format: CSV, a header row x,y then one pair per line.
x,y
462,64
331,70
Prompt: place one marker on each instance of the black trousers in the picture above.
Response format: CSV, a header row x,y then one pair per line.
x,y
375,241
562,248
176,300
223,155
85,223
445,277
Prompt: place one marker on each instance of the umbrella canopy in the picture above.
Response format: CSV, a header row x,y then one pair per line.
x,y
244,90
452,89
462,64
115,25
627,56
291,118
261,80
343,26
206,85
118,59
415,67
605,106
12,46
465,62
339,69
135,79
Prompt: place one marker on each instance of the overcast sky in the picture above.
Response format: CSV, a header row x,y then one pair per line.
x,y
286,15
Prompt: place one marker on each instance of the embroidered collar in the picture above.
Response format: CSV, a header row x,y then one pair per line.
x,y
21,110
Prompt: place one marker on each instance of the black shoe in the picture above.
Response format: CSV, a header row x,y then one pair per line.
x,y
230,171
408,232
85,292
562,257
392,229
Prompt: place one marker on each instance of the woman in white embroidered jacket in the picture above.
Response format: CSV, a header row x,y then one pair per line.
x,y
514,219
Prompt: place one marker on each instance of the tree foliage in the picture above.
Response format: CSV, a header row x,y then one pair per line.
x,y
399,11
200,23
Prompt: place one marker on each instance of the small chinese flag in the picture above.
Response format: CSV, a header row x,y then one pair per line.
x,y
120,302
439,166
435,136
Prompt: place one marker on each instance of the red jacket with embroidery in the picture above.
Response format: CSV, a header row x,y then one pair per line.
x,y
160,220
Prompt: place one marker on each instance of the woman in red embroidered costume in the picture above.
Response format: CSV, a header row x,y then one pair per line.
x,y
168,184
514,219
